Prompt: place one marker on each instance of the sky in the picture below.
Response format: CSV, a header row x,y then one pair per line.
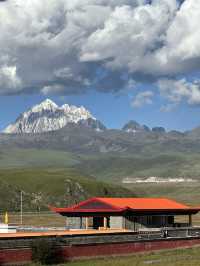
x,y
121,59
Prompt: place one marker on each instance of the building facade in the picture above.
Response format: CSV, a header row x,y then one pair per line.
x,y
126,213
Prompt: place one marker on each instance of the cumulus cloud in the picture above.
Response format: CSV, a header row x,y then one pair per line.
x,y
131,36
180,90
66,46
142,98
9,79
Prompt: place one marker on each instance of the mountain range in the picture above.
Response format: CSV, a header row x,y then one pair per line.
x,y
49,135
48,116
69,140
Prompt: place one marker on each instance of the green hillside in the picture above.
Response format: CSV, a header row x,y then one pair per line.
x,y
20,158
57,186
63,167
108,155
110,167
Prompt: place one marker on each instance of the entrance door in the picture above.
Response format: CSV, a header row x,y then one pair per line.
x,y
97,222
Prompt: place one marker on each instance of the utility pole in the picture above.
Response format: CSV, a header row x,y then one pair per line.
x,y
21,206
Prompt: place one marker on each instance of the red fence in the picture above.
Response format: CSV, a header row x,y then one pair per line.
x,y
24,255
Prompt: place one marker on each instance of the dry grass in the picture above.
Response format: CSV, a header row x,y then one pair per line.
x,y
36,219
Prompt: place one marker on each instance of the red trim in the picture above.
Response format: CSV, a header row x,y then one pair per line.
x,y
73,208
23,256
115,209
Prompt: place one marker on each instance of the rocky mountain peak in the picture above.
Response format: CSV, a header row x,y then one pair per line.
x,y
134,127
45,105
48,116
93,124
158,129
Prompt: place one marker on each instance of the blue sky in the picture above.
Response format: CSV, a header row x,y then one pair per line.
x,y
122,59
113,110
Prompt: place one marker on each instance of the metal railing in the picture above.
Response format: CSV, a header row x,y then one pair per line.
x,y
185,232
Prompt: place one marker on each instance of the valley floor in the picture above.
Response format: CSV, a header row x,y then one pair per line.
x,y
180,257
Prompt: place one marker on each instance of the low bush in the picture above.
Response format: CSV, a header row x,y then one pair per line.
x,y
45,251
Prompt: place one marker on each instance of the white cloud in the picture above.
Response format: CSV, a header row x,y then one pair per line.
x,y
130,36
60,46
9,79
183,35
142,98
63,73
181,50
178,90
53,89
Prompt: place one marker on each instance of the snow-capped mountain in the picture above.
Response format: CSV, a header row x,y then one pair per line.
x,y
48,116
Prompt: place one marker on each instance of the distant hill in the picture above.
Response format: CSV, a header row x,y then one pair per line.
x,y
108,155
85,144
134,127
57,186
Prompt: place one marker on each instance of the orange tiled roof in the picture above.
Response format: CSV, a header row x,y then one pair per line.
x,y
117,205
144,203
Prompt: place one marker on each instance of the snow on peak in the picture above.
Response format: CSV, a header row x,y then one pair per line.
x,y
48,116
45,105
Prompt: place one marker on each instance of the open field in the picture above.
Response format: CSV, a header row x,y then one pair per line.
x,y
39,219
179,257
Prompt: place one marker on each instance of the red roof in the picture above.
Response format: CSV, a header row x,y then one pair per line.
x,y
144,203
122,204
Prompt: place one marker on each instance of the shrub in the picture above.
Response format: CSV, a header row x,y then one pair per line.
x,y
45,251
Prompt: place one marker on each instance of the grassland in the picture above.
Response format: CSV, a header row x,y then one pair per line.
x,y
56,186
37,219
111,167
61,178
179,257
108,167
25,158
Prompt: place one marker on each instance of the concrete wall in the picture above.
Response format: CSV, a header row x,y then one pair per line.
x,y
80,223
129,222
75,222
117,222
142,222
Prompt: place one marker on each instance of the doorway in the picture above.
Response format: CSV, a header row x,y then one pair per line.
x,y
99,222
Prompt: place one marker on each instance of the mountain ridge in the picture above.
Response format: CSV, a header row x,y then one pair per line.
x,y
48,116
